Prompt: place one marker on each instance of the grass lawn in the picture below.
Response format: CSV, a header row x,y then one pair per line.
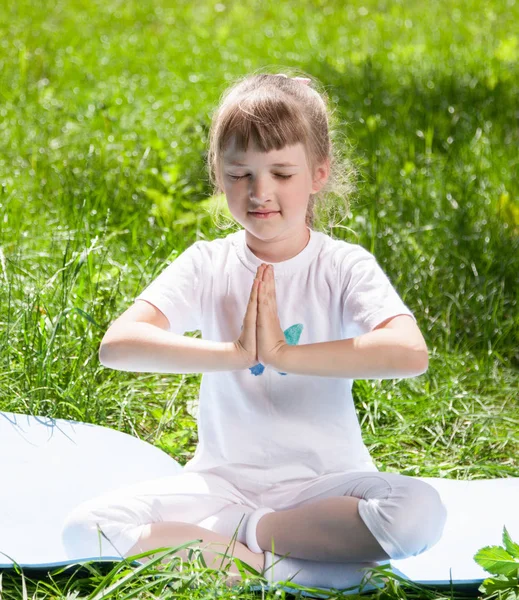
x,y
105,107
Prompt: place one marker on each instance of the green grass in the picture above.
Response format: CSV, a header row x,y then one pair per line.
x,y
104,114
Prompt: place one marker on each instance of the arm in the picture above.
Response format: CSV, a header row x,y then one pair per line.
x,y
394,349
145,348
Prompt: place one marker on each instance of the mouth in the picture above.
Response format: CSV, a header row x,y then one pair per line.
x,y
264,215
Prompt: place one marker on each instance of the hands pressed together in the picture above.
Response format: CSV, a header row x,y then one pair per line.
x,y
262,340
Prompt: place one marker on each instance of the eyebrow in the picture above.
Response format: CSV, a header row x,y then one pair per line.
x,y
239,164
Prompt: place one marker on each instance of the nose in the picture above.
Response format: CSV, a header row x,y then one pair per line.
x,y
260,189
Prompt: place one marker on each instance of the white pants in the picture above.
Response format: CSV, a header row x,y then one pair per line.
x,y
405,514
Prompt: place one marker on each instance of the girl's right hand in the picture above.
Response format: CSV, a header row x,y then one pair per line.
x,y
246,343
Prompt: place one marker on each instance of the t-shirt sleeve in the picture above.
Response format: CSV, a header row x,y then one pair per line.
x,y
176,291
368,295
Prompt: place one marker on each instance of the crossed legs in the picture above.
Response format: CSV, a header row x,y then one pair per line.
x,y
329,529
365,518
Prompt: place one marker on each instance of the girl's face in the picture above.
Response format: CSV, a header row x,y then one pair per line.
x,y
279,182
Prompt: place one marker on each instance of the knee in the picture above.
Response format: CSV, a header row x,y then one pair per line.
x,y
80,533
93,529
419,520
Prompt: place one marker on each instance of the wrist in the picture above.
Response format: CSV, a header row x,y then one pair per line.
x,y
239,357
281,358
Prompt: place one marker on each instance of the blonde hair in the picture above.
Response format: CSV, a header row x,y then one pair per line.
x,y
272,112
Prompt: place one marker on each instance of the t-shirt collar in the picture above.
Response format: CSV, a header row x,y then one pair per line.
x,y
285,267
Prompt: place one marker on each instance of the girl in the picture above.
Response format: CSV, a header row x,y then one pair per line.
x,y
294,316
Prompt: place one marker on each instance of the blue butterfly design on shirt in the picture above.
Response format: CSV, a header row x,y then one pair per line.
x,y
292,336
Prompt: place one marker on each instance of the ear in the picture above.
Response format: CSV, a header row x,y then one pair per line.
x,y
321,175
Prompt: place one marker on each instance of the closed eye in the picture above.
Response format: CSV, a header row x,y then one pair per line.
x,y
235,177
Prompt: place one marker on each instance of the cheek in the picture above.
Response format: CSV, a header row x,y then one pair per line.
x,y
233,193
229,191
234,201
295,196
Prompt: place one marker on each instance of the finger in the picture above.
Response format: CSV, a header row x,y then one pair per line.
x,y
272,284
272,291
259,275
270,279
262,292
254,288
250,313
264,270
261,278
255,292
253,299
265,284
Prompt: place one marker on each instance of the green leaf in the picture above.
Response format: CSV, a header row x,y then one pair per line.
x,y
496,560
511,547
507,588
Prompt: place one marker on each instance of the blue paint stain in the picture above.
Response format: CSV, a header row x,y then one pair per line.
x,y
292,337
257,369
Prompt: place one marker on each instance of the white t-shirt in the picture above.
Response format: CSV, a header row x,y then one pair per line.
x,y
257,425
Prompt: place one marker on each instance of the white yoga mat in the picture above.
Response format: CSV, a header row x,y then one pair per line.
x,y
51,465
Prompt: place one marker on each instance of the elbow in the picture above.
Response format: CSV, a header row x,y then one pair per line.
x,y
412,361
109,357
102,355
419,359
110,347
106,352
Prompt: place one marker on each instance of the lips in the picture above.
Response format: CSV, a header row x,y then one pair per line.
x,y
263,212
265,215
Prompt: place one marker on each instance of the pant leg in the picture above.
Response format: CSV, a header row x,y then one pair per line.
x,y
230,521
110,524
410,520
406,515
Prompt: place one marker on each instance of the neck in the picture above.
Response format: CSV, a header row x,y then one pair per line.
x,y
280,248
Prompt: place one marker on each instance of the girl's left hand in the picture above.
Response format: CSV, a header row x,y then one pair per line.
x,y
270,339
